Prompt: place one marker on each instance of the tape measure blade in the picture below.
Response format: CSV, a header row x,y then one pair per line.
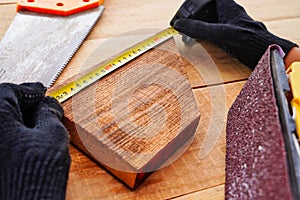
x,y
74,87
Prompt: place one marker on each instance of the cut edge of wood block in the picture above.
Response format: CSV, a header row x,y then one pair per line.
x,y
133,180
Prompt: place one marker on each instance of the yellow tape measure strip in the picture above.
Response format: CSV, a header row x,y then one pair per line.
x,y
69,90
294,77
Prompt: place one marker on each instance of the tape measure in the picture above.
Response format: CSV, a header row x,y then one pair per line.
x,y
74,87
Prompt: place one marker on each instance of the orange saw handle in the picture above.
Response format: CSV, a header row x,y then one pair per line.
x,y
58,7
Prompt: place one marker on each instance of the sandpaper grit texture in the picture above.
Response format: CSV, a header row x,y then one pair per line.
x,y
256,166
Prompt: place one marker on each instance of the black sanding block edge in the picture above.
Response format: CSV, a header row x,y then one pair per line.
x,y
281,88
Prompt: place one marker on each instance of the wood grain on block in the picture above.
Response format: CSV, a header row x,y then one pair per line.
x,y
135,118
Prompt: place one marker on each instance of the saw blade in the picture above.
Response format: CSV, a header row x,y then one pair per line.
x,y
37,47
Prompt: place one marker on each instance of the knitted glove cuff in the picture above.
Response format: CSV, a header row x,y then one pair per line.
x,y
259,43
36,179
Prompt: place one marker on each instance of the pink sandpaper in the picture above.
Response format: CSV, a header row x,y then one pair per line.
x,y
256,165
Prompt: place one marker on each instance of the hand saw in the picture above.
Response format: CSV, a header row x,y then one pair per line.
x,y
43,37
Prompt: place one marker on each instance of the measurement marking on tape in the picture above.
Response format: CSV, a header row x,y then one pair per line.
x,y
74,87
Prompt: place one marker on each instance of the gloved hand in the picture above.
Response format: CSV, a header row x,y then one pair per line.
x,y
235,32
34,144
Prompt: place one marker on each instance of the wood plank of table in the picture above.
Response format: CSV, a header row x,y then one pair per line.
x,y
286,28
206,64
126,16
213,193
8,13
7,2
273,11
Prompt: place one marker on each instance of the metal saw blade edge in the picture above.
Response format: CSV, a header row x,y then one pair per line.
x,y
37,47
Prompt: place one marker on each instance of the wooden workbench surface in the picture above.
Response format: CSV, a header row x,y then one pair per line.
x,y
200,172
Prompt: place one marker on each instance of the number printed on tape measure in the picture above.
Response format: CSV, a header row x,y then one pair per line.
x,y
69,90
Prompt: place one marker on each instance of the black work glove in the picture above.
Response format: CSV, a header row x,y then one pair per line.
x,y
34,144
235,32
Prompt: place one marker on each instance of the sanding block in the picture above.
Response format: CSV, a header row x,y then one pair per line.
x,y
262,155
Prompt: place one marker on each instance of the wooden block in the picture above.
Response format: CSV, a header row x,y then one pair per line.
x,y
188,175
135,118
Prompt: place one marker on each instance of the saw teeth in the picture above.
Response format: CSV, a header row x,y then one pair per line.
x,y
68,59
42,57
